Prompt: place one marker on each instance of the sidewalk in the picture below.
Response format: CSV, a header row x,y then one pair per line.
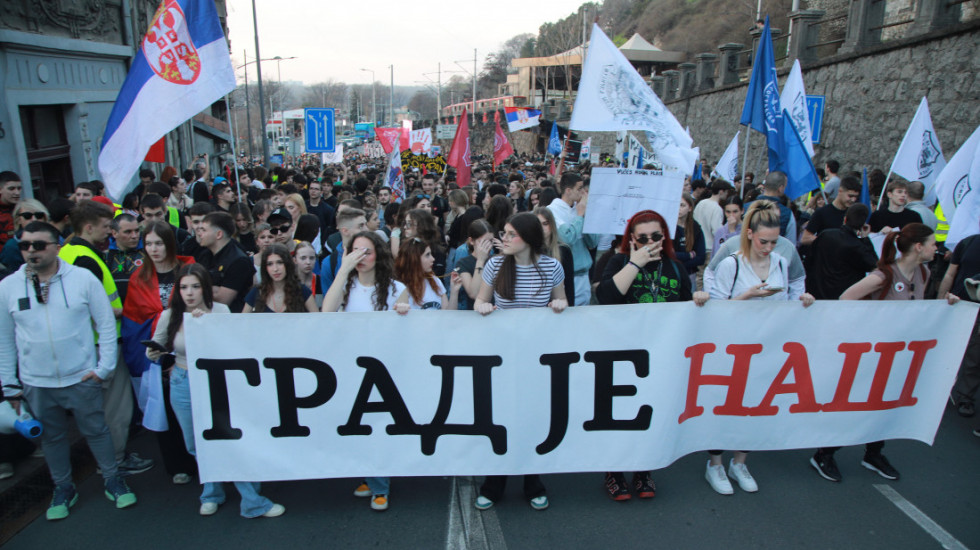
x,y
26,495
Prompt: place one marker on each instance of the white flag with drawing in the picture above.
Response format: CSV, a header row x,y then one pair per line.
x,y
919,157
727,167
957,190
793,100
613,96
337,157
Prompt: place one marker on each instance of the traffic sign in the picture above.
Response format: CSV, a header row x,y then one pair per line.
x,y
319,130
814,104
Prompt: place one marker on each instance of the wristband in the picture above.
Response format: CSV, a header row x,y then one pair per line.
x,y
630,262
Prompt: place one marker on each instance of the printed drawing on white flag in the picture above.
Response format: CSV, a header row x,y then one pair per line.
x,y
957,187
420,141
181,67
615,194
336,157
919,157
793,100
613,96
727,167
636,154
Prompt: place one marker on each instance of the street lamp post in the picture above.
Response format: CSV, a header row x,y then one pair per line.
x,y
265,137
374,97
391,98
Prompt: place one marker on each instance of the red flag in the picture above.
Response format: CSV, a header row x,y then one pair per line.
x,y
501,146
551,170
459,153
388,138
157,152
404,141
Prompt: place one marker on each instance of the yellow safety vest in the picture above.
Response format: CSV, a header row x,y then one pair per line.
x,y
942,229
173,216
71,252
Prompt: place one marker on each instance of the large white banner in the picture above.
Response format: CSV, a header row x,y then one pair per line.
x,y
615,194
600,388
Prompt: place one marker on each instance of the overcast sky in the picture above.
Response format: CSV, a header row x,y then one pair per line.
x,y
333,39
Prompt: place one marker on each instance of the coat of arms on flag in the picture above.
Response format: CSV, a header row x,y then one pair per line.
x,y
168,47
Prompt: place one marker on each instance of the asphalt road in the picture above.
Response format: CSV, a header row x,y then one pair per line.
x,y
793,509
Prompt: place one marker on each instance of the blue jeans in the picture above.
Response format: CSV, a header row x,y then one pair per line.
x,y
378,485
253,504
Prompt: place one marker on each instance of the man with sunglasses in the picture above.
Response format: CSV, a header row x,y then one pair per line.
x,y
10,187
282,228
48,358
25,212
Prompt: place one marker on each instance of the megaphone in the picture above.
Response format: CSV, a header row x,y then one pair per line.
x,y
24,423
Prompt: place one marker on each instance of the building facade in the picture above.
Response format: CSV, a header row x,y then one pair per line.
x,y
62,64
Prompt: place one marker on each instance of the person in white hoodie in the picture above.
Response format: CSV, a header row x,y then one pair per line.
x,y
49,360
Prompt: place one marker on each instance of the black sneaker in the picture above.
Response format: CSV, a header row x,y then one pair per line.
x,y
826,466
643,485
616,485
134,464
878,463
965,409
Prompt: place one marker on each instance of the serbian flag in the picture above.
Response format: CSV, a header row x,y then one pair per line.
x,y
181,67
459,154
519,118
501,146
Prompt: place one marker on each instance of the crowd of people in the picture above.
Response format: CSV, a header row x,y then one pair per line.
x,y
336,239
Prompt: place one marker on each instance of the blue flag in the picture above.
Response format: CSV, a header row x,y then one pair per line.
x,y
866,192
761,111
794,160
554,142
697,172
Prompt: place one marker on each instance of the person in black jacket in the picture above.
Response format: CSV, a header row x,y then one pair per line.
x,y
843,256
645,271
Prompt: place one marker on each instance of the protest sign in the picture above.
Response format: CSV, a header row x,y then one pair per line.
x,y
420,141
601,388
435,164
615,194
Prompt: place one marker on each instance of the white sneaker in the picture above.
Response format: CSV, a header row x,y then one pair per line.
x,y
718,480
740,473
208,508
276,511
483,503
182,479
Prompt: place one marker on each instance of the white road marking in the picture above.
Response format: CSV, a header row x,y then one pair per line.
x,y
469,528
941,535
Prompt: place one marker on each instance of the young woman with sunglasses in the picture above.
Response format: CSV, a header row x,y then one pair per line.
x,y
520,276
194,296
644,271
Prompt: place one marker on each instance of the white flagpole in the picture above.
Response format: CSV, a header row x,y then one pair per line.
x,y
745,160
882,196
234,156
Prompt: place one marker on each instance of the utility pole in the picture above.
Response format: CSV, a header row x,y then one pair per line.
x,y
248,112
265,137
391,98
474,86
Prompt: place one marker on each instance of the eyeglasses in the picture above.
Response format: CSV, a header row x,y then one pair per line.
x,y
32,215
409,223
507,235
655,237
280,229
36,245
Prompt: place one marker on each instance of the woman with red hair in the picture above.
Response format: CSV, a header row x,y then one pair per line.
x,y
413,266
645,271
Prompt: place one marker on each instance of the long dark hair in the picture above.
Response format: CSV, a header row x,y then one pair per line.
x,y
499,212
528,227
689,222
292,291
166,233
177,305
384,270
426,228
900,241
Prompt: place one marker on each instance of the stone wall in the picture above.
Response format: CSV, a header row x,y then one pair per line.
x,y
871,98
